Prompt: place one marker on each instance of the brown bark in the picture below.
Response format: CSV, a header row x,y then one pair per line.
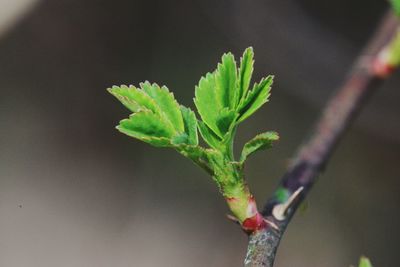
x,y
362,80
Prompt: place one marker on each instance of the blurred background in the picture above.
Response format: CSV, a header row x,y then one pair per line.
x,y
75,192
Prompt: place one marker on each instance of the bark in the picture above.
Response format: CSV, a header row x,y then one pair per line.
x,y
362,80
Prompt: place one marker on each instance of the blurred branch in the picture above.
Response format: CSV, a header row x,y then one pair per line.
x,y
366,75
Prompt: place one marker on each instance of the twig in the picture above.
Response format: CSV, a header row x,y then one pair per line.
x,y
365,76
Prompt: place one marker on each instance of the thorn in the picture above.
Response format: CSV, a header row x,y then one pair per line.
x,y
280,210
273,225
232,218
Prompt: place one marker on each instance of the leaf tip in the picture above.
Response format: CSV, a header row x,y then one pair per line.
x,y
365,262
274,136
227,55
249,50
112,89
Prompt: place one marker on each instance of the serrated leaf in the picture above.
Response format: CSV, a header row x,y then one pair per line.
x,y
147,127
190,125
364,262
245,73
255,98
158,116
147,123
133,98
215,96
259,142
208,135
167,104
225,80
206,104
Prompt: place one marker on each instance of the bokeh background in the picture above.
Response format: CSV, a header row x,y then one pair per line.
x,y
75,192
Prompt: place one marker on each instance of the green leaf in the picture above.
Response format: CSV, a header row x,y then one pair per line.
x,y
223,99
167,104
133,98
157,118
215,96
225,80
396,6
206,103
259,142
364,262
147,127
255,98
180,139
245,73
208,135
225,119
190,123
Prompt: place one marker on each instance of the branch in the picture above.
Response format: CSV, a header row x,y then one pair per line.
x,y
366,75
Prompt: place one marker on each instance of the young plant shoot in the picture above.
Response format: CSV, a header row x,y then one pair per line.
x,y
223,100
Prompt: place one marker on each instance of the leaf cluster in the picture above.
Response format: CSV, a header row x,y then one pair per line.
x,y
223,99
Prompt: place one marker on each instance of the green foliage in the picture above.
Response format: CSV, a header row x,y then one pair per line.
x,y
396,6
208,135
257,97
364,262
227,88
190,125
261,141
245,73
157,118
223,100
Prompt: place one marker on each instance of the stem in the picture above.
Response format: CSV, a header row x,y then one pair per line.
x,y
244,208
362,80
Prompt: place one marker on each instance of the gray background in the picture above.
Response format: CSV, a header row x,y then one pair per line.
x,y
75,192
